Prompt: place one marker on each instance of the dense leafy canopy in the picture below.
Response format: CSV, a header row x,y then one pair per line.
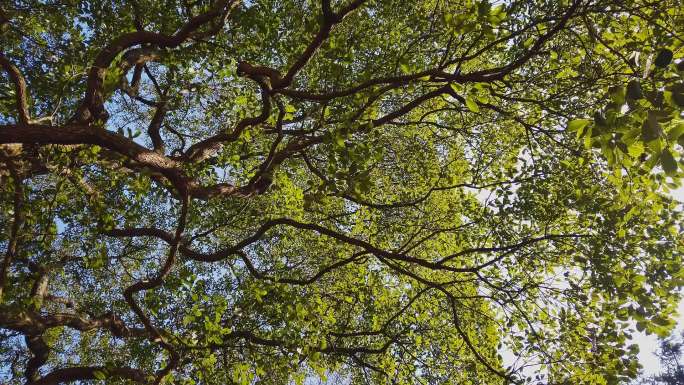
x,y
380,191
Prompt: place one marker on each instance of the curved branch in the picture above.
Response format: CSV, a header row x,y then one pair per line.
x,y
19,87
456,322
154,282
329,20
205,148
499,73
367,247
83,373
40,350
92,107
33,323
302,282
325,96
153,130
171,169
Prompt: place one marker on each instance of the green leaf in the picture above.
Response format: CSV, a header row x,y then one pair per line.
x,y
457,87
676,131
634,90
668,161
640,326
339,139
678,93
100,375
650,129
599,119
631,136
404,66
241,100
617,94
635,149
528,42
664,58
472,104
577,124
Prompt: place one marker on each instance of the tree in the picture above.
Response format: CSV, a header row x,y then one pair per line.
x,y
375,191
670,355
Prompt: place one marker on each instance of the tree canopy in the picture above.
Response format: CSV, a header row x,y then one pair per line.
x,y
350,191
671,368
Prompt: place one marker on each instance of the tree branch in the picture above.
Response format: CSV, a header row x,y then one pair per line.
x,y
21,96
84,373
17,223
92,107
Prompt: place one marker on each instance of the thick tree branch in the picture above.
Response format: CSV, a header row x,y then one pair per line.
x,y
329,20
40,350
140,156
153,130
85,373
33,323
207,147
500,72
92,107
21,97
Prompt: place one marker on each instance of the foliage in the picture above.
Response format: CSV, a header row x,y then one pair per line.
x,y
672,370
378,191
